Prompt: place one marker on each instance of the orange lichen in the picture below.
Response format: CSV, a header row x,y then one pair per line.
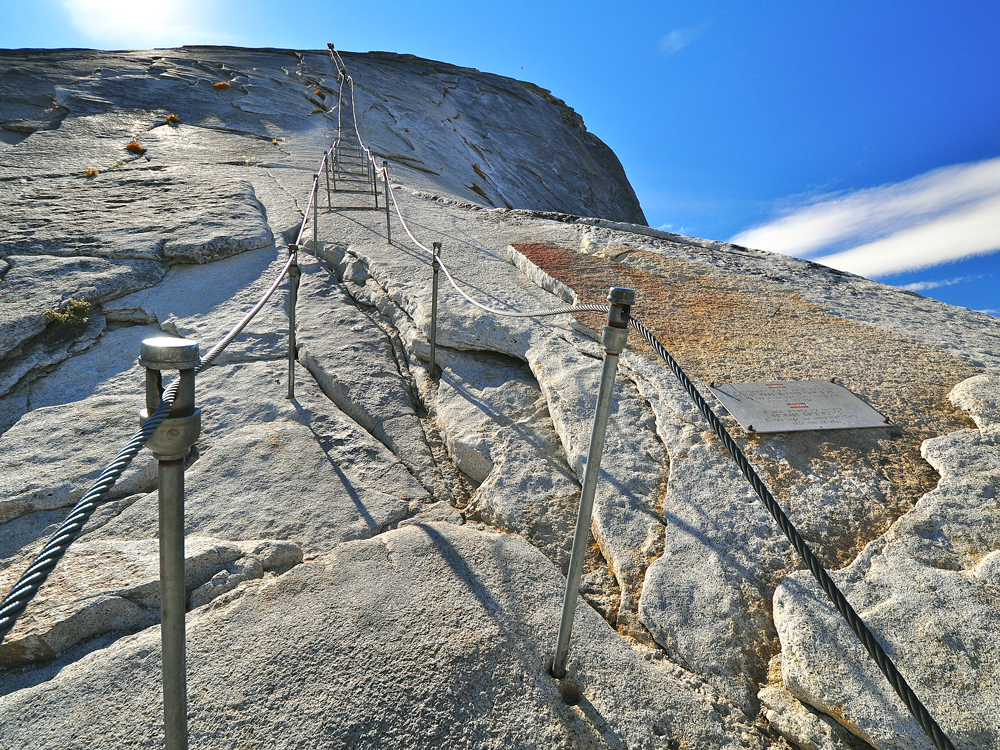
x,y
318,92
173,119
723,327
221,85
134,147
91,172
274,141
316,111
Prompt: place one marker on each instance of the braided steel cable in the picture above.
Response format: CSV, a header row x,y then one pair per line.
x,y
309,205
480,305
861,630
856,623
45,562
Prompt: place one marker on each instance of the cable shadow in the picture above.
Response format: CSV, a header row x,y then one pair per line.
x,y
344,480
464,573
504,421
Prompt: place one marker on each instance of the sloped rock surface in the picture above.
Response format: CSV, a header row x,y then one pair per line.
x,y
557,164
471,674
141,214
201,304
77,437
269,468
354,362
374,451
24,300
113,585
498,431
929,589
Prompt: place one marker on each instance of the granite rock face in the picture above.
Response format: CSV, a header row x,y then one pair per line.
x,y
378,561
930,588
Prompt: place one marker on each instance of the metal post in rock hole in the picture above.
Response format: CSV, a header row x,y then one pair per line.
x,y
335,161
388,230
615,336
170,444
436,265
294,272
374,186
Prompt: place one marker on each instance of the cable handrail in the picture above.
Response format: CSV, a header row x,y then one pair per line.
x,y
506,313
17,600
853,619
844,608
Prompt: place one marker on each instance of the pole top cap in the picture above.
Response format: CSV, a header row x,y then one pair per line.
x,y
620,295
165,353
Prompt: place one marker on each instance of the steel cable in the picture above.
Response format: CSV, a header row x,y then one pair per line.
x,y
45,562
454,283
853,619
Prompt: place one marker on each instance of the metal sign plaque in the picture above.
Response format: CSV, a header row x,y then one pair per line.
x,y
791,406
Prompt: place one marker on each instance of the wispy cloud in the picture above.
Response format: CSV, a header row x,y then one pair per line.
x,y
678,39
127,24
923,286
944,215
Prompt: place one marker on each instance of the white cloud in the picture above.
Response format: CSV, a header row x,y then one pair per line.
x,y
922,286
677,40
944,215
127,24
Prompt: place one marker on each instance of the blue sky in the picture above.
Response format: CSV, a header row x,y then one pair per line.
x,y
861,135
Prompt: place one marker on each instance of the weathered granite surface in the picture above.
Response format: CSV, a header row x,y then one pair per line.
x,y
392,484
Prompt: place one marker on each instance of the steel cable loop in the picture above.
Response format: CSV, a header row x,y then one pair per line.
x,y
856,623
45,562
854,620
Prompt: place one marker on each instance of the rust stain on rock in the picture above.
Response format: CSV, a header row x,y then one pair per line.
x,y
843,488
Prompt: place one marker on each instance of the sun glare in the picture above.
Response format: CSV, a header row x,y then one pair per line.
x,y
125,25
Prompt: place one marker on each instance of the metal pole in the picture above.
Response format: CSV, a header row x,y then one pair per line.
x,y
375,187
315,193
615,336
173,600
170,444
434,303
388,229
336,153
326,162
294,272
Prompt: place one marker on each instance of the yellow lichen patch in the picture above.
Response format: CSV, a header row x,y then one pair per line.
x,y
316,111
220,85
173,119
73,313
274,141
318,92
134,147
91,172
843,488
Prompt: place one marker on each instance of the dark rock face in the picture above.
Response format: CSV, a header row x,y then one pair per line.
x,y
490,139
